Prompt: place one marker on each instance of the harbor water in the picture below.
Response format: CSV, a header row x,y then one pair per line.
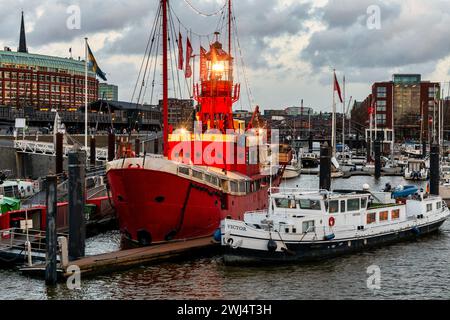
x,y
410,270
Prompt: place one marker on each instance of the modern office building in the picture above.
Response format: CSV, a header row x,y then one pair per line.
x,y
108,92
41,81
406,103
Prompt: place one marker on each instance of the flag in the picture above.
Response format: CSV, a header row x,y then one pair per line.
x,y
337,88
180,52
189,51
372,107
92,63
203,68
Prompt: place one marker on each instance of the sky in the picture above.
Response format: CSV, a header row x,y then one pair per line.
x,y
287,48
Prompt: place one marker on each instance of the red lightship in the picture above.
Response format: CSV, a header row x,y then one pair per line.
x,y
215,172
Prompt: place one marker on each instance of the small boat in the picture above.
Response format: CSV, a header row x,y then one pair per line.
x,y
294,168
304,225
309,160
416,169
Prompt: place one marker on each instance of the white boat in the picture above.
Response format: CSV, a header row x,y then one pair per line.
x,y
19,188
310,225
416,169
294,169
309,160
412,150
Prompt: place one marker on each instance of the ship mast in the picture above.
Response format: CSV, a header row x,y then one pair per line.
x,y
229,27
165,81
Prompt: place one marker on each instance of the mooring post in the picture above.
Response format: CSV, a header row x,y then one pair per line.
x,y
111,146
77,199
137,147
377,147
325,167
424,149
50,233
310,142
434,169
93,152
59,153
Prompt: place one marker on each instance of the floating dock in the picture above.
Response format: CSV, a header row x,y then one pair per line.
x,y
126,259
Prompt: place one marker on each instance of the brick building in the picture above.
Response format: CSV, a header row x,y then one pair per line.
x,y
41,81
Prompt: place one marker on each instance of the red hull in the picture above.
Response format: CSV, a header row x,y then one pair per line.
x,y
155,206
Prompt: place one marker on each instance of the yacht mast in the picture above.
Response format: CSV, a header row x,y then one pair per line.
x,y
165,81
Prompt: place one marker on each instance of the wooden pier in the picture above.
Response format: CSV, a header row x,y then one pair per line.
x,y
126,259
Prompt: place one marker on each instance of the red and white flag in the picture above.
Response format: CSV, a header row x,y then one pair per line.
x,y
337,88
180,52
203,68
372,107
189,51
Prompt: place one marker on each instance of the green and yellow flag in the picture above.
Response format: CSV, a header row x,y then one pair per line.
x,y
94,66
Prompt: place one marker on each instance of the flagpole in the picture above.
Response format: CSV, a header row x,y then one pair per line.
x,y
333,118
86,95
343,120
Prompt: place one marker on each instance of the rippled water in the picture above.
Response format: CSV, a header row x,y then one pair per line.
x,y
411,270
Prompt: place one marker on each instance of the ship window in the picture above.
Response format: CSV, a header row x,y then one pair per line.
x,y
242,187
438,205
197,174
224,185
429,207
307,204
395,214
285,203
183,170
342,205
363,203
333,206
353,204
371,217
233,186
308,226
384,216
208,178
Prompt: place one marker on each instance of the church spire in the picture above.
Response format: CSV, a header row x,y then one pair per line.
x,y
23,40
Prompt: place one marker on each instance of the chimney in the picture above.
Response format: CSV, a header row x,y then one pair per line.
x,y
23,40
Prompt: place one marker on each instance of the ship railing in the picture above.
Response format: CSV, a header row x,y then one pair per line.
x,y
256,212
17,238
297,190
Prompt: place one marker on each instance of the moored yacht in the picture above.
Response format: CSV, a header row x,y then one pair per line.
x,y
309,225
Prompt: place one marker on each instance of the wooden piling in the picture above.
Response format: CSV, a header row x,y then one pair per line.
x,y
111,146
434,169
377,150
137,147
424,149
59,153
93,153
325,167
310,142
77,194
50,234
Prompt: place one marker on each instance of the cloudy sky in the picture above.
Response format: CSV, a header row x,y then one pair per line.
x,y
289,47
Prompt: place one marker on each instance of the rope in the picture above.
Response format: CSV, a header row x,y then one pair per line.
x,y
203,13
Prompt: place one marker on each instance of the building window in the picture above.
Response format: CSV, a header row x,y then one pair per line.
x,y
381,119
381,92
381,106
432,92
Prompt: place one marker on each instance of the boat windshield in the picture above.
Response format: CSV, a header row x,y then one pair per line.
x,y
308,204
286,203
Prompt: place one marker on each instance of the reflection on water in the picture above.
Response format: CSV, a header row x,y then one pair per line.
x,y
411,270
